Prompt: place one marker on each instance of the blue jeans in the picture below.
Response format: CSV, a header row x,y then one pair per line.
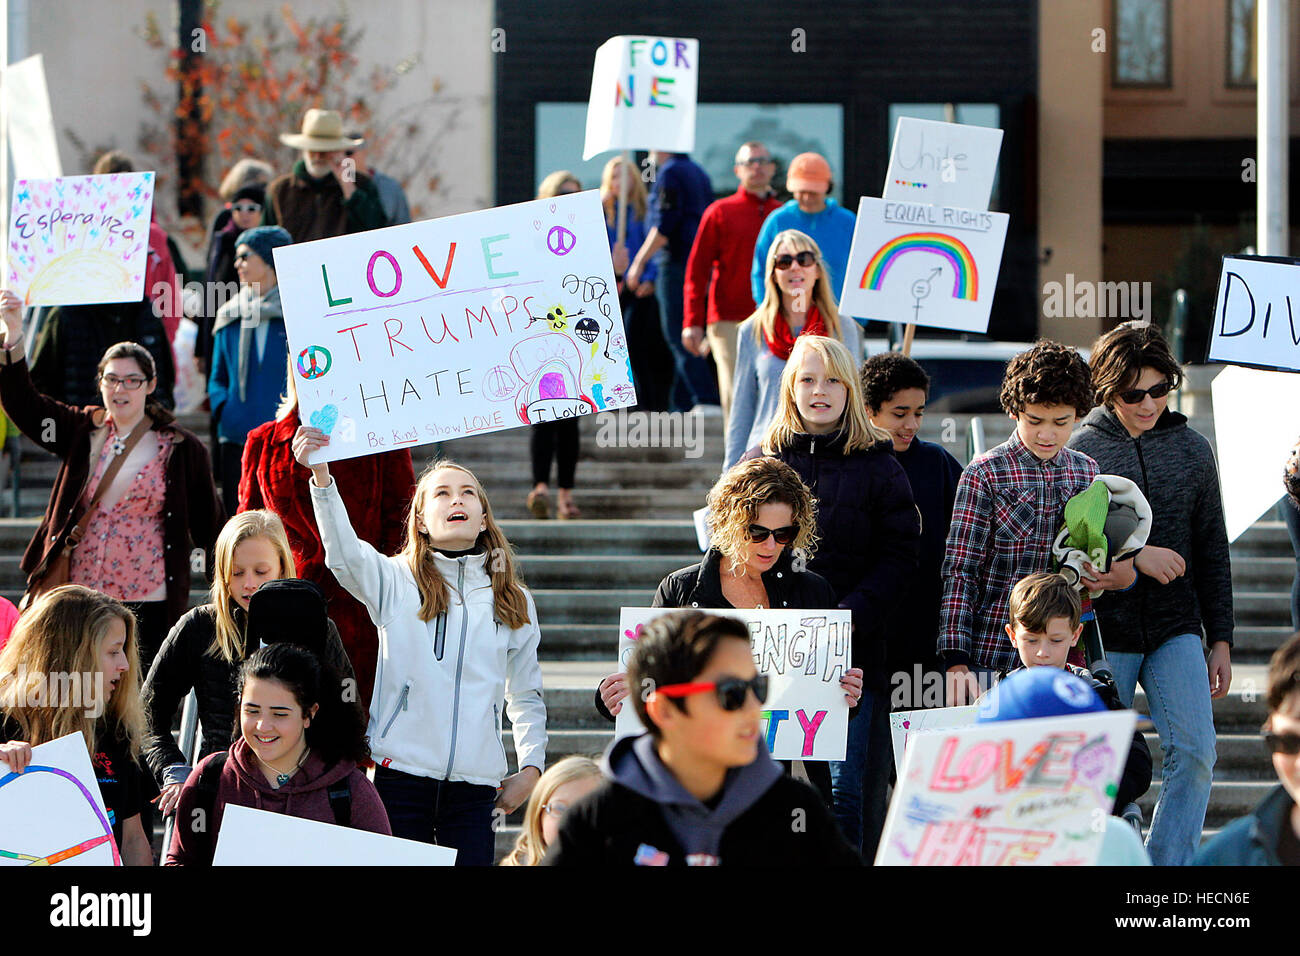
x,y
694,382
1291,515
860,782
445,813
1178,693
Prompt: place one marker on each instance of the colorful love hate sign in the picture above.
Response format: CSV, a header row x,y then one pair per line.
x,y
52,812
434,330
80,239
934,266
803,653
1257,313
906,724
251,837
643,95
945,164
1008,793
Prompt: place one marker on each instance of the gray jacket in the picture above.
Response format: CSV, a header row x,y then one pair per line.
x,y
1174,467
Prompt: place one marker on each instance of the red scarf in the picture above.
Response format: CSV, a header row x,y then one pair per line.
x,y
781,341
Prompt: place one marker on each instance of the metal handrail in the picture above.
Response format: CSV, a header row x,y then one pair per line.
x,y
188,742
975,443
1178,338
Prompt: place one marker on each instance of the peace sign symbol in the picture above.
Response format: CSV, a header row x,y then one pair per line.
x,y
560,241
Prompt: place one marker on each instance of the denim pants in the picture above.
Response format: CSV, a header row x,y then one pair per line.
x,y
1178,693
442,812
694,382
860,782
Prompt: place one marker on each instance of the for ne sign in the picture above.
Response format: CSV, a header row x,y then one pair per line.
x,y
643,95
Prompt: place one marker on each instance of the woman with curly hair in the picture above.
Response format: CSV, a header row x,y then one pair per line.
x,y
762,514
869,534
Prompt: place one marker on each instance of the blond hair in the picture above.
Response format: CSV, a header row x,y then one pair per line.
x,y
246,172
734,502
60,636
636,196
550,187
769,310
228,639
530,847
289,400
509,601
855,424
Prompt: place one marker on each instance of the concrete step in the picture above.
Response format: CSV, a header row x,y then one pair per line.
x,y
1229,799
594,572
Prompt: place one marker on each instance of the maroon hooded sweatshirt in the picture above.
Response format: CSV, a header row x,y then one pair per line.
x,y
243,784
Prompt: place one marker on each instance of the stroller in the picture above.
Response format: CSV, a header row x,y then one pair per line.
x,y
1107,522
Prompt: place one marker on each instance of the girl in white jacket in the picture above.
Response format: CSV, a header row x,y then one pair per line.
x,y
457,633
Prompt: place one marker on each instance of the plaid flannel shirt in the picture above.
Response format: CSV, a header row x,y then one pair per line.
x,y
1010,506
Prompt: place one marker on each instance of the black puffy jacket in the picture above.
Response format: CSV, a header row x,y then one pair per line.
x,y
184,664
870,536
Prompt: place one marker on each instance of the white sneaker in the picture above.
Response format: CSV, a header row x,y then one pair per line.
x,y
712,411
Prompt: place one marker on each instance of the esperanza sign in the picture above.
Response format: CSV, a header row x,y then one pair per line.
x,y
449,327
643,93
803,653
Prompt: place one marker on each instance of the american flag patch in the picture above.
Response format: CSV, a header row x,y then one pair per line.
x,y
646,855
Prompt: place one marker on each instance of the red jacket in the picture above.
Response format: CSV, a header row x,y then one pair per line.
x,y
377,490
718,269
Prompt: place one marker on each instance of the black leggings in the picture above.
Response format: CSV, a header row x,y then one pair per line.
x,y
559,441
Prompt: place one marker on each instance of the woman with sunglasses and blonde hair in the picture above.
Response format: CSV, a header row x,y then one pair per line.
x,y
761,515
798,300
869,535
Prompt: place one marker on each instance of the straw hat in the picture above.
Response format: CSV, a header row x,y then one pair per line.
x,y
322,132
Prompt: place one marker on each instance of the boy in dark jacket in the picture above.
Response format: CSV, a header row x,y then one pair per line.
x,y
1270,836
1045,613
699,788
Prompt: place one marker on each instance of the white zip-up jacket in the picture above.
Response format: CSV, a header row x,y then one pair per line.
x,y
436,707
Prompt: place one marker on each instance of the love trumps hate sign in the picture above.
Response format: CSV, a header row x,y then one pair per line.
x,y
449,327
803,653
1018,792
643,95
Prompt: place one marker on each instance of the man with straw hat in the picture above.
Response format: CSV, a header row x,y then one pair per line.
x,y
324,195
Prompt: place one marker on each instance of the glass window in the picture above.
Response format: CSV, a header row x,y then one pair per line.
x,y
1241,43
1140,35
970,114
787,129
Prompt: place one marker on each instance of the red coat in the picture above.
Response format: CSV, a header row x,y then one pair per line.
x,y
377,490
717,272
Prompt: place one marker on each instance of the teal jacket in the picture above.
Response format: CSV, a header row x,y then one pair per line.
x,y
1251,840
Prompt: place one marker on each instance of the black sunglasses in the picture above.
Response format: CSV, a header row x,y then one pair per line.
x,y
731,691
1135,395
785,260
1288,744
758,534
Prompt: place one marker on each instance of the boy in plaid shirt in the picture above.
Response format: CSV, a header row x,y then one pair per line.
x,y
1010,505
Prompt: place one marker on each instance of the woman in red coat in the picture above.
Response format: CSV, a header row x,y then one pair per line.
x,y
377,490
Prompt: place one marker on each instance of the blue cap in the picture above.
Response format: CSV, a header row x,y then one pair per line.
x,y
1039,692
263,239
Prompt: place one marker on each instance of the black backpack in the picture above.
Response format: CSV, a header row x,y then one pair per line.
x,y
340,797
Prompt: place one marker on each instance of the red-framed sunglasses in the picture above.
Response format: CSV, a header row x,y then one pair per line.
x,y
731,691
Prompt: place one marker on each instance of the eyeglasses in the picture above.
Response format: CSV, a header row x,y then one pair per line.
x,y
556,808
785,260
758,534
762,161
731,691
131,383
242,257
1288,744
1135,395
246,207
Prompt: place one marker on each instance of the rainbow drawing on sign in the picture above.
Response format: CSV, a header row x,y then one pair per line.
x,y
965,275
84,846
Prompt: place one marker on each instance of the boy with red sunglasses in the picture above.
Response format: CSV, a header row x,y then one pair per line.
x,y
698,789
1270,836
